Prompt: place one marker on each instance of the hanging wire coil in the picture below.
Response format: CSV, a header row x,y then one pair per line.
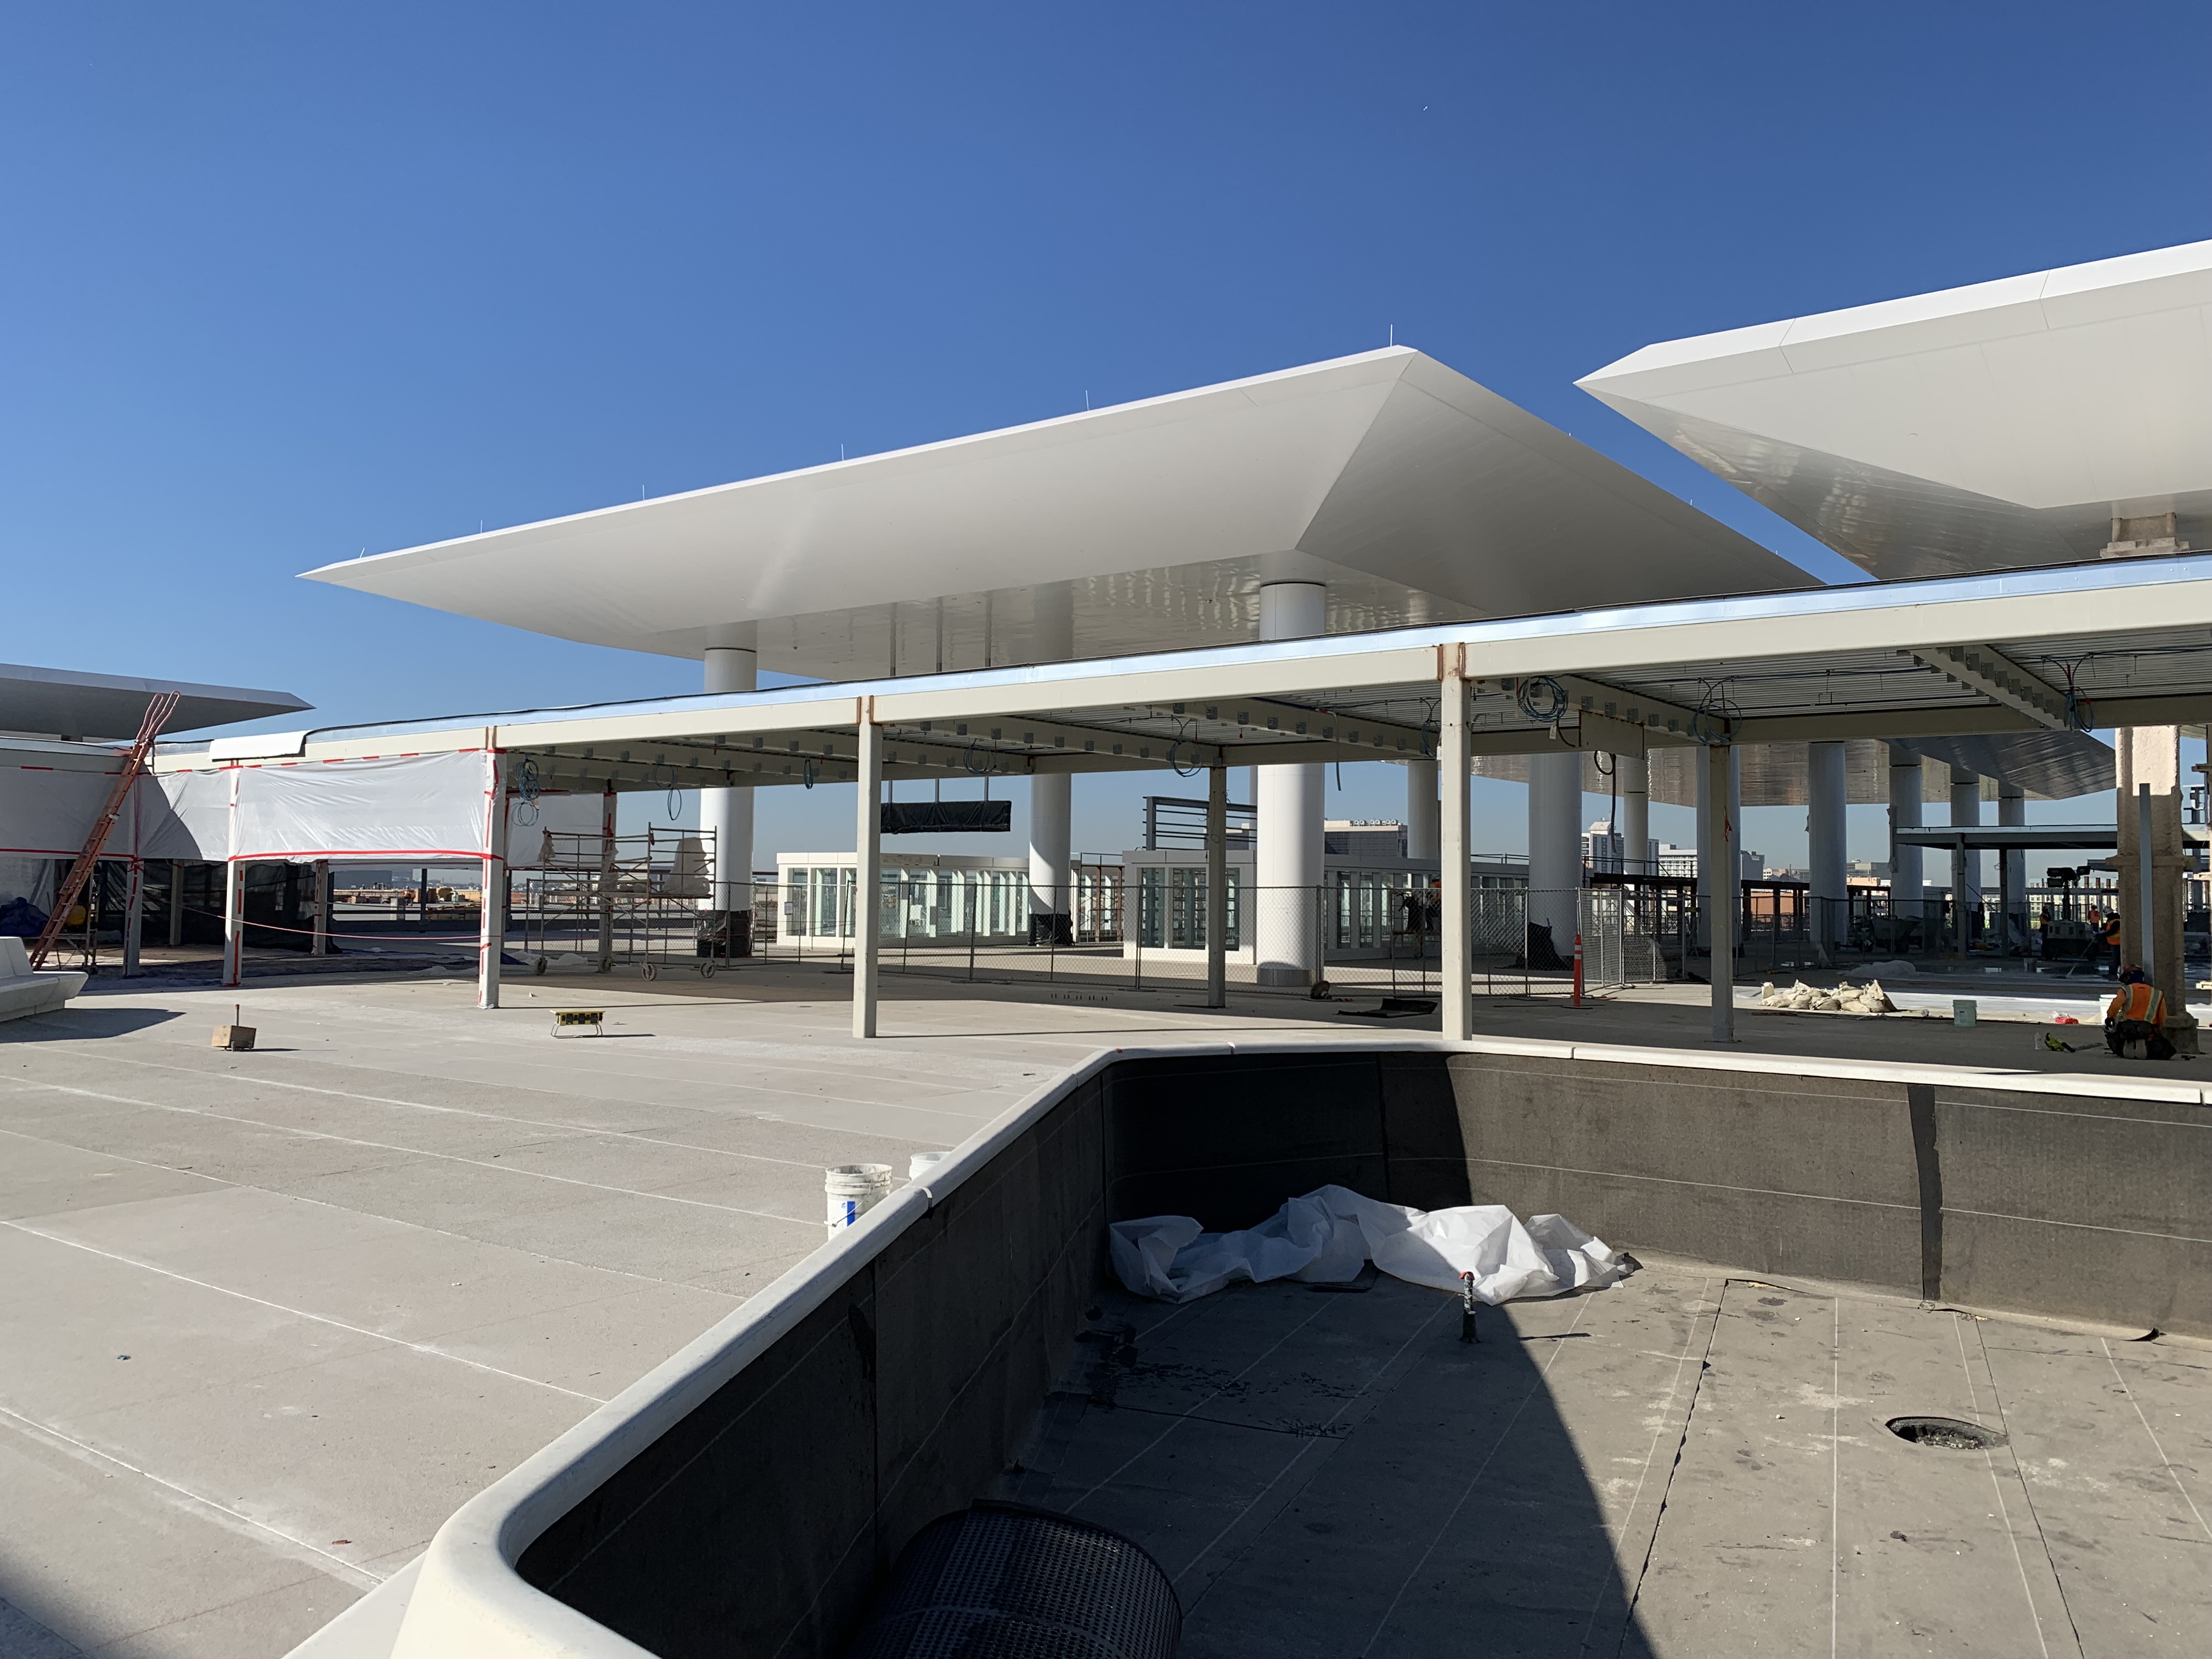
x,y
527,787
1543,699
1182,739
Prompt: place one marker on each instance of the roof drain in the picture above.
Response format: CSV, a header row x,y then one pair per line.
x,y
1000,1579
1945,1433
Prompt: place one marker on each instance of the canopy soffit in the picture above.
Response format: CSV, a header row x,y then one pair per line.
x,y
1991,427
1416,495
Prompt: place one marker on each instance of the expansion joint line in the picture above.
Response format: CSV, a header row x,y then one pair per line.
x,y
339,1566
1711,1316
1996,1483
2156,1446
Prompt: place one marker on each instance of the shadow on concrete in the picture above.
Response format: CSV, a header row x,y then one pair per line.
x,y
22,1637
1324,1476
79,1023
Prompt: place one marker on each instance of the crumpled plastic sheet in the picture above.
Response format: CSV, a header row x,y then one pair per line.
x,y
1329,1235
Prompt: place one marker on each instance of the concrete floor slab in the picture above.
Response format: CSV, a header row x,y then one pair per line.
x,y
42,1178
2110,1437
88,1331
185,1558
1686,1465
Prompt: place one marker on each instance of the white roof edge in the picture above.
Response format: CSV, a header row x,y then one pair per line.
x,y
2026,290
132,682
458,546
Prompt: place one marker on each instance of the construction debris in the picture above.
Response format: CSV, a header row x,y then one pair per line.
x,y
1845,999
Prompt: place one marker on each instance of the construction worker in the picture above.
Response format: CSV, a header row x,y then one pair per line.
x,y
2108,939
2134,1019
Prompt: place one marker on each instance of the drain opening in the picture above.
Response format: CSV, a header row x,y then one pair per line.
x,y
1947,1433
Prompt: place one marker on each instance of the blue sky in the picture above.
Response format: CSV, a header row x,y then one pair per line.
x,y
282,283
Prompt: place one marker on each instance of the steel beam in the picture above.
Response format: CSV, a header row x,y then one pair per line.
x,y
1988,671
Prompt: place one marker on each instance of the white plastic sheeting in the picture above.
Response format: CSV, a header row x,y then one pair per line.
x,y
1329,1234
45,811
428,807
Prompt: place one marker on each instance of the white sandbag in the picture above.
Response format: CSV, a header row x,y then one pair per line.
x,y
1329,1234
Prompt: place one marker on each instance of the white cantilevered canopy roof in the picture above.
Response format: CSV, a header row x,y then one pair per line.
x,y
2005,424
1413,493
60,702
2033,652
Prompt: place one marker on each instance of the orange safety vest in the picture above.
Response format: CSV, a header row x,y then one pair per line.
x,y
2137,1002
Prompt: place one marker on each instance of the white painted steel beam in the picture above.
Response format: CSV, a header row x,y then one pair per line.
x,y
1986,669
1766,641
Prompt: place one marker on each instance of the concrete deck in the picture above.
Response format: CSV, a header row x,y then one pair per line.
x,y
267,1318
1690,1464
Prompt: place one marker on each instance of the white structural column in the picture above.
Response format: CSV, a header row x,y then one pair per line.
x,y
1718,791
1287,910
2011,867
234,921
867,871
1217,885
727,814
1421,811
1633,773
1966,867
1051,806
1555,847
1456,904
1713,885
1906,886
1051,794
491,912
1824,825
234,895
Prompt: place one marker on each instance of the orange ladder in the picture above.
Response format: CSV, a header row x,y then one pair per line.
x,y
158,711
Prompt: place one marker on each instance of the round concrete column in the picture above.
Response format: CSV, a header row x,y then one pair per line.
x,y
1965,867
728,813
1286,907
1052,796
1825,826
1634,774
1555,846
1907,889
1421,804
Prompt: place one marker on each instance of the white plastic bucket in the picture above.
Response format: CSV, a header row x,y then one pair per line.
x,y
921,1165
854,1189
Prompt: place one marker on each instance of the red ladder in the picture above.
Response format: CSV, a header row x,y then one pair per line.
x,y
158,711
